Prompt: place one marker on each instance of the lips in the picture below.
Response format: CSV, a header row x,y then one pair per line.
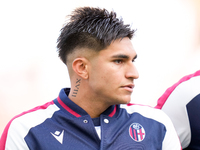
x,y
128,87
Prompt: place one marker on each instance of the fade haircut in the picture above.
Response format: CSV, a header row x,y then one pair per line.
x,y
91,28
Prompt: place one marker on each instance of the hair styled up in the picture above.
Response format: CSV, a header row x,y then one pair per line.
x,y
92,28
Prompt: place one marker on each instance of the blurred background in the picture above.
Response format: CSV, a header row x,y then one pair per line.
x,y
167,42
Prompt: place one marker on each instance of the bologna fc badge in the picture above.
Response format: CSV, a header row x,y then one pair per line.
x,y
137,132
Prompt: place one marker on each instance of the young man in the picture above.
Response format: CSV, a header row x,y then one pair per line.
x,y
181,102
96,47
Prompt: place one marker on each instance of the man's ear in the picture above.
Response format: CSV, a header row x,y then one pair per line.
x,y
80,67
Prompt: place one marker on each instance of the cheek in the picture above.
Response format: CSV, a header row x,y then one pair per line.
x,y
111,78
106,75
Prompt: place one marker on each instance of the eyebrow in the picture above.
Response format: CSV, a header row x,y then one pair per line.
x,y
123,56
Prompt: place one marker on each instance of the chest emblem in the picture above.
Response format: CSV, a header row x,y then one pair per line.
x,y
58,136
137,132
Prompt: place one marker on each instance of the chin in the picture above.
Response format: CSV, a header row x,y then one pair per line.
x,y
125,101
121,100
128,102
127,98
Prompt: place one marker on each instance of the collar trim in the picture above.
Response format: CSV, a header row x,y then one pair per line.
x,y
67,108
113,112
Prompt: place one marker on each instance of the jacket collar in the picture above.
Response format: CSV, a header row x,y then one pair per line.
x,y
69,106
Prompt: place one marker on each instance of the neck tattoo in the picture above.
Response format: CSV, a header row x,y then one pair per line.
x,y
75,92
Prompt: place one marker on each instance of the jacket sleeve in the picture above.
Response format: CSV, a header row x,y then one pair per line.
x,y
171,140
12,137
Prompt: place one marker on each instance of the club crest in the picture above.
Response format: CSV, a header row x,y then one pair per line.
x,y
137,132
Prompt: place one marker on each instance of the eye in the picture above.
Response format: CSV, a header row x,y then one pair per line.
x,y
118,61
133,60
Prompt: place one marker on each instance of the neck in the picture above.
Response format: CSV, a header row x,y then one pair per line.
x,y
91,104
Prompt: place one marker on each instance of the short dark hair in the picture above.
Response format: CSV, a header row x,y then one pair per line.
x,y
92,28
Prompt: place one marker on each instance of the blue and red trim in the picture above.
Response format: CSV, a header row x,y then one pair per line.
x,y
67,108
113,112
5,133
164,97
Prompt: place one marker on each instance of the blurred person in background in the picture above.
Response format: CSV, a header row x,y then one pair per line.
x,y
95,113
181,102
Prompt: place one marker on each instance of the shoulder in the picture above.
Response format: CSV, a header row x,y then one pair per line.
x,y
35,115
187,88
147,111
171,140
19,126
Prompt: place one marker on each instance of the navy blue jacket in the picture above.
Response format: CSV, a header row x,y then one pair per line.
x,y
63,125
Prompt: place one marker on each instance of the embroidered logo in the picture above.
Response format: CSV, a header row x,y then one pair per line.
x,y
137,132
59,136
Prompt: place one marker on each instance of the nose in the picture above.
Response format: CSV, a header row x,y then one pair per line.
x,y
132,72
